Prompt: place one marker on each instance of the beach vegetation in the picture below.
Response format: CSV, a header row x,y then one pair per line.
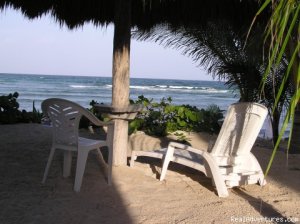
x,y
222,50
10,113
282,39
163,117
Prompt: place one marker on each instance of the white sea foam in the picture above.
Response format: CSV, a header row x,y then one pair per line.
x,y
212,90
181,87
141,87
175,88
161,86
82,86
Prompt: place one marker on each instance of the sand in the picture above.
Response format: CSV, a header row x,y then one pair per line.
x,y
137,196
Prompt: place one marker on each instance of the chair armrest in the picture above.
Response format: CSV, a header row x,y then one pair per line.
x,y
92,118
177,145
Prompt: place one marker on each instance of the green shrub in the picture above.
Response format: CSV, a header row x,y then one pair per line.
x,y
161,118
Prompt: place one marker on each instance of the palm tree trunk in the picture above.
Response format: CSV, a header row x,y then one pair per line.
x,y
295,141
121,64
275,125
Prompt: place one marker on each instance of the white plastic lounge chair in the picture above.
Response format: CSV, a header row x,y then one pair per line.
x,y
65,116
229,163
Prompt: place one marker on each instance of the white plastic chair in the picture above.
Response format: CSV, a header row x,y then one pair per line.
x,y
229,163
65,117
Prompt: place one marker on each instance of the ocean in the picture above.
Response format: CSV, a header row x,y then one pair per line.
x,y
83,89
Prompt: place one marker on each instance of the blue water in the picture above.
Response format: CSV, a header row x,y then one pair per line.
x,y
82,90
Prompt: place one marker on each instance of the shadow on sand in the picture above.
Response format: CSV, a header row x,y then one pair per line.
x,y
269,213
23,199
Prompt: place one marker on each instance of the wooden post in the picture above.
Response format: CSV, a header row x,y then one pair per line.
x,y
121,64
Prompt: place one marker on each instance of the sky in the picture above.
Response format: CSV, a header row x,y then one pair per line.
x,y
42,46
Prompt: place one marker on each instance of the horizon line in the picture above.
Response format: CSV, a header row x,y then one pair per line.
x,y
93,76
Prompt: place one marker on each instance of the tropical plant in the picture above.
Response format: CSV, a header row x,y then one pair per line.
x,y
161,118
283,39
221,50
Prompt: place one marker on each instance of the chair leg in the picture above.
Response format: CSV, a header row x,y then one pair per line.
x,y
67,163
101,156
110,141
81,161
107,168
164,169
110,165
48,164
132,159
166,161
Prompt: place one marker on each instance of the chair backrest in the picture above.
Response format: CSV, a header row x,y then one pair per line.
x,y
65,116
240,129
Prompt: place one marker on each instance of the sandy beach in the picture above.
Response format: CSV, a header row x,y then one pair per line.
x,y
136,196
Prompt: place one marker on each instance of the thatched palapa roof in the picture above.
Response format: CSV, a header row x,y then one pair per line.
x,y
144,13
